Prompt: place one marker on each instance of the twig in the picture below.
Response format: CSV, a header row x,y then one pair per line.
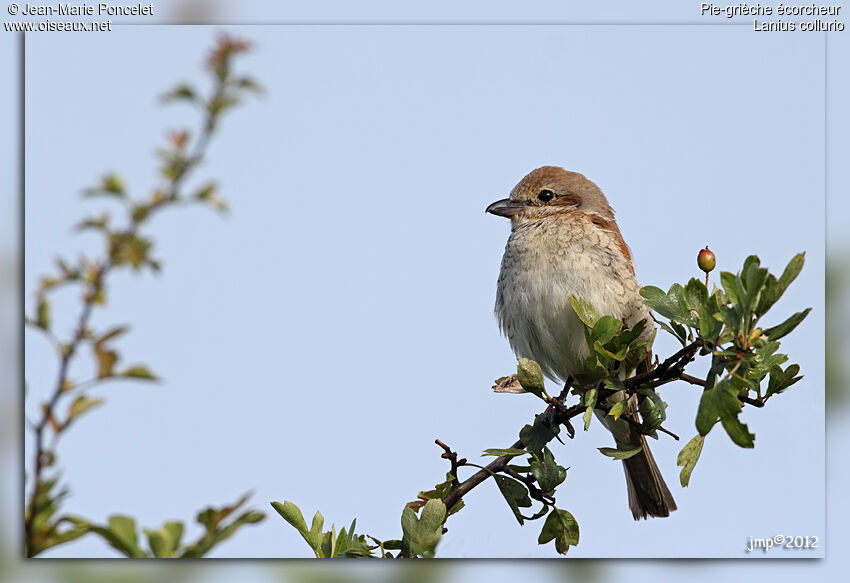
x,y
668,369
452,457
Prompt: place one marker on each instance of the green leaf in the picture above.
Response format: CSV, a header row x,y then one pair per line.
x,y
787,326
42,313
670,305
584,312
562,527
782,379
590,402
421,534
709,326
121,534
721,402
160,543
547,472
536,436
618,408
753,278
515,493
652,410
530,376
688,458
139,372
775,288
730,287
605,329
110,184
619,454
292,514
695,294
80,405
510,452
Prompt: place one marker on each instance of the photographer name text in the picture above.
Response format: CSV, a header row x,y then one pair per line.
x,y
99,9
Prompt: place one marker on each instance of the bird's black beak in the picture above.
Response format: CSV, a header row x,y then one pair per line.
x,y
505,208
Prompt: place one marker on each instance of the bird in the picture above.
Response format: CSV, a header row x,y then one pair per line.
x,y
564,242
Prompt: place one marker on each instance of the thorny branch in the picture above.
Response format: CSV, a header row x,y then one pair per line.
x,y
560,414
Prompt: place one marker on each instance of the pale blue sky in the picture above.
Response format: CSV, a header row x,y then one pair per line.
x,y
340,318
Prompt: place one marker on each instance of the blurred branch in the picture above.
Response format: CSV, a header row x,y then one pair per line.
x,y
123,248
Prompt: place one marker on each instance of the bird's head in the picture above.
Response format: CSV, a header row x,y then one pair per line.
x,y
550,191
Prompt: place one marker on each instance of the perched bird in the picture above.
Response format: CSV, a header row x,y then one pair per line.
x,y
565,242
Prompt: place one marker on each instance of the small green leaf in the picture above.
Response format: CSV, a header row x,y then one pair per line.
x,y
562,527
291,513
530,376
547,472
123,528
782,379
721,402
536,436
43,313
619,454
421,534
509,452
652,410
787,326
695,294
730,287
80,405
139,372
617,409
688,458
584,312
605,329
589,402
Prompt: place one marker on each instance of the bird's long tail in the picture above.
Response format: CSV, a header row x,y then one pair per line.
x,y
648,494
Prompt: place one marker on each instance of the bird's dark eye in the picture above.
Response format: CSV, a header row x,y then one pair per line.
x,y
545,195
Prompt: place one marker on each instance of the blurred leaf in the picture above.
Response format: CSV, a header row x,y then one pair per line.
x,y
787,326
43,313
139,372
619,454
105,358
120,533
688,458
184,92
515,493
562,527
110,184
80,405
164,542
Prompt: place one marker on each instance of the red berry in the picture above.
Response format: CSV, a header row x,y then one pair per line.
x,y
706,260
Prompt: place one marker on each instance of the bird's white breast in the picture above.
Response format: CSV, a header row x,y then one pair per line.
x,y
546,262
